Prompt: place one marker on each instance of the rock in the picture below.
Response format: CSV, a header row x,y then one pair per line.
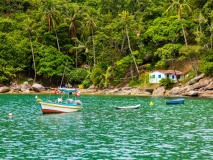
x,y
209,87
141,91
37,87
127,88
15,87
175,91
191,93
126,92
186,88
92,87
201,84
4,89
150,90
208,94
159,91
196,79
147,93
112,91
26,91
25,86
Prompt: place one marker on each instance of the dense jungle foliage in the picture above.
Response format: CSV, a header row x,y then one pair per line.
x,y
102,42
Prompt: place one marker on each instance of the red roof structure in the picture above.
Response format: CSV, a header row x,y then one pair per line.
x,y
171,72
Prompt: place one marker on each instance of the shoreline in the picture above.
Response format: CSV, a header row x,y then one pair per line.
x,y
113,92
199,88
97,93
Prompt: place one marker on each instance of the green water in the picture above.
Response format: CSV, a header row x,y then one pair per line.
x,y
99,131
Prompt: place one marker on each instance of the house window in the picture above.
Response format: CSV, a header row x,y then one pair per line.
x,y
173,77
152,76
178,76
167,76
159,76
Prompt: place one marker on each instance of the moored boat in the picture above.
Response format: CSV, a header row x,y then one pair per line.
x,y
60,104
175,101
128,107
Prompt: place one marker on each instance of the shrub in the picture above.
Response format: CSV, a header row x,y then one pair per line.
x,y
133,83
166,82
86,83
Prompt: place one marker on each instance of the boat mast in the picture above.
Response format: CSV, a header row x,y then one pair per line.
x,y
63,75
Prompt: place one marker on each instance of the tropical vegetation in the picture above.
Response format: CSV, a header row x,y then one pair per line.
x,y
102,42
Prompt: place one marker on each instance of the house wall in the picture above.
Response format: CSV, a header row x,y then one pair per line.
x,y
155,77
173,77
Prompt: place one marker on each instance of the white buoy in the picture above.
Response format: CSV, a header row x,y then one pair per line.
x,y
10,114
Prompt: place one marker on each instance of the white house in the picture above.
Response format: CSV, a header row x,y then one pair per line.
x,y
156,76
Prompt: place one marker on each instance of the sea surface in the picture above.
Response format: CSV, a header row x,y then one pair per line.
x,y
99,131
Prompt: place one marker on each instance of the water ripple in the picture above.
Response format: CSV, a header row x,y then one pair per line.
x,y
100,131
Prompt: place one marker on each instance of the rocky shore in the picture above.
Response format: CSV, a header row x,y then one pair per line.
x,y
199,86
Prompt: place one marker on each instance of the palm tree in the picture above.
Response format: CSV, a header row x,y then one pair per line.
x,y
125,16
29,24
52,16
74,16
180,6
90,27
211,30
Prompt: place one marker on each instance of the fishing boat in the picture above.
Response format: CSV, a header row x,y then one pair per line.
x,y
128,107
62,102
175,101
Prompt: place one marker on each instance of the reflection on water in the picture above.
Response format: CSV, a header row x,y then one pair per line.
x,y
99,131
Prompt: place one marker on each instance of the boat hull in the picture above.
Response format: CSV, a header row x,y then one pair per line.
x,y
48,108
128,107
176,101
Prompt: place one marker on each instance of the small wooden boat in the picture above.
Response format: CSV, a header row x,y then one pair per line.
x,y
175,101
61,105
128,107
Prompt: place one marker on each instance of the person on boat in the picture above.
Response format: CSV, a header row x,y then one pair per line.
x,y
68,85
56,91
59,100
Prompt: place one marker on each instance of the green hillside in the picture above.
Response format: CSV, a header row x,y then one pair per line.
x,y
103,42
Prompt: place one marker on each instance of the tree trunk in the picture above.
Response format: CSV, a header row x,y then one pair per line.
x,y
131,72
57,41
184,34
122,46
133,57
93,48
62,79
176,75
76,57
174,70
34,65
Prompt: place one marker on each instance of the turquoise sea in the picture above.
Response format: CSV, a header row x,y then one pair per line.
x,y
99,131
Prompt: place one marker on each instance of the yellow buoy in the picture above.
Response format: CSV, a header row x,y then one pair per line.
x,y
151,104
10,114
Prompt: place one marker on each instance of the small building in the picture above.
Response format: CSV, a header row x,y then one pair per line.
x,y
156,76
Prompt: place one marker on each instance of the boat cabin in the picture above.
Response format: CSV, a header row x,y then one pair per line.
x,y
156,76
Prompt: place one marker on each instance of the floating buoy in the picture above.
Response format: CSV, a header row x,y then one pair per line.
x,y
151,104
10,114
